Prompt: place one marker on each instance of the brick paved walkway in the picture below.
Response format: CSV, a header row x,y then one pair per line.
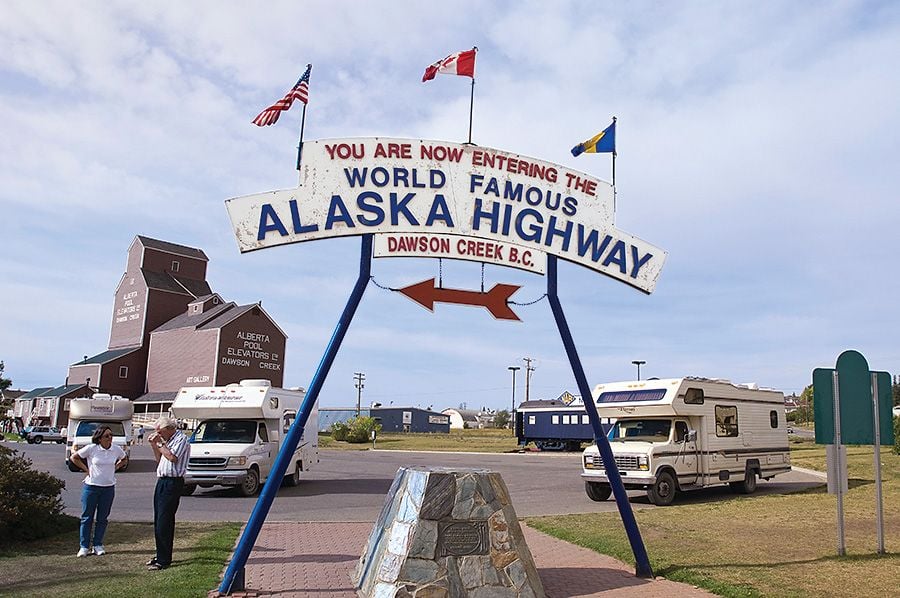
x,y
315,560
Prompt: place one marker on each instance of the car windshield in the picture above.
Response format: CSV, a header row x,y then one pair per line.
x,y
643,430
226,430
86,428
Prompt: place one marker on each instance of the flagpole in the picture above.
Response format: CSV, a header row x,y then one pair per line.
x,y
472,100
300,145
302,125
614,173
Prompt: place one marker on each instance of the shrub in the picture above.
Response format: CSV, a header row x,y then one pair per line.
x,y
339,431
897,435
360,429
30,503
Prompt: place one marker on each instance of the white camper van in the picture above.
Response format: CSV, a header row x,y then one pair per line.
x,y
239,433
101,409
682,434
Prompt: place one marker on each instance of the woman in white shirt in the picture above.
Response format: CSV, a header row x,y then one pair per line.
x,y
99,460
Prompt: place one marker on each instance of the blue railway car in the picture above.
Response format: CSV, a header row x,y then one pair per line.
x,y
554,425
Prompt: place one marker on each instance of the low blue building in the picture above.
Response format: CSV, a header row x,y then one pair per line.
x,y
411,419
392,419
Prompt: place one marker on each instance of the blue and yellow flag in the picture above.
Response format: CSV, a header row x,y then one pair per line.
x,y
603,142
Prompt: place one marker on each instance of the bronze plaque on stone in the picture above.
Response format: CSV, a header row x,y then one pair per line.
x,y
462,538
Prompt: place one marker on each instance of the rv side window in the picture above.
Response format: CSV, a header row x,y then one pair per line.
x,y
773,419
531,420
693,396
263,433
726,421
681,431
286,421
554,419
585,419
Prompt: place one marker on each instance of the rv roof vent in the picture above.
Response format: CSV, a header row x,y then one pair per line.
x,y
750,385
297,389
255,383
101,395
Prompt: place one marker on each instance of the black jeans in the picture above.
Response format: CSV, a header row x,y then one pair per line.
x,y
165,503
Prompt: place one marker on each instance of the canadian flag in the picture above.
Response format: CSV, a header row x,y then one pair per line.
x,y
460,63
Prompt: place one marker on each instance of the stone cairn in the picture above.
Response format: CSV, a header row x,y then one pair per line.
x,y
447,533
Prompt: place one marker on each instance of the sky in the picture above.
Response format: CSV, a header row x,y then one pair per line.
x,y
758,144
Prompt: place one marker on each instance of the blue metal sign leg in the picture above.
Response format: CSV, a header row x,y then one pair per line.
x,y
642,567
292,439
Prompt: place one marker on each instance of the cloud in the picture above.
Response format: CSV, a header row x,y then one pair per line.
x,y
756,144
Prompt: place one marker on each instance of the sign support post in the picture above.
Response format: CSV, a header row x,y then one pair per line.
x,y
879,510
233,579
839,464
642,562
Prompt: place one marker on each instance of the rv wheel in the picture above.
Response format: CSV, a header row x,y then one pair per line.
x,y
747,485
662,493
293,479
251,483
597,491
71,466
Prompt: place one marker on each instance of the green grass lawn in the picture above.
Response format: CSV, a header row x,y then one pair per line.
x,y
49,567
478,441
783,545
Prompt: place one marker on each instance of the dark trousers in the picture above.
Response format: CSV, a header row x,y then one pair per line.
x,y
165,503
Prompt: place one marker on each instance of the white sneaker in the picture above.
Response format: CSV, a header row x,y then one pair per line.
x,y
83,552
99,550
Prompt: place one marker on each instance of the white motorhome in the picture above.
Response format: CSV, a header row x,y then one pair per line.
x,y
681,434
239,433
85,415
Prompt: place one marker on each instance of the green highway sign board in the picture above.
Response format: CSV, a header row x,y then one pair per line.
x,y
857,411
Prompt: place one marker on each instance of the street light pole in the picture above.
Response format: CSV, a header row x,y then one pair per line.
x,y
513,369
639,363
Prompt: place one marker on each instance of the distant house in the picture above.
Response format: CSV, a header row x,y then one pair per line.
x,y
24,405
791,403
51,407
470,418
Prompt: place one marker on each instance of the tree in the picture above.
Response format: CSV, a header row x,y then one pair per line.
x,y
5,404
806,404
501,419
4,382
896,392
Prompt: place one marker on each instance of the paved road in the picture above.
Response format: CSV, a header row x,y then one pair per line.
x,y
351,485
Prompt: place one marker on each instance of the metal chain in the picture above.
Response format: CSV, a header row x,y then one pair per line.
x,y
482,277
526,303
381,286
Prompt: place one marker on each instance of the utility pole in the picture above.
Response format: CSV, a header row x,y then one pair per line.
x,y
359,377
512,411
528,369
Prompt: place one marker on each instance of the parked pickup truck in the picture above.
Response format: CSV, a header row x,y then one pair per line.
x,y
39,434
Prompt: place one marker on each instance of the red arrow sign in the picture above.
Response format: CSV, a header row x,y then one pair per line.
x,y
425,294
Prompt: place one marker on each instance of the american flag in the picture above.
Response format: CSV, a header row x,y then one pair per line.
x,y
300,92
